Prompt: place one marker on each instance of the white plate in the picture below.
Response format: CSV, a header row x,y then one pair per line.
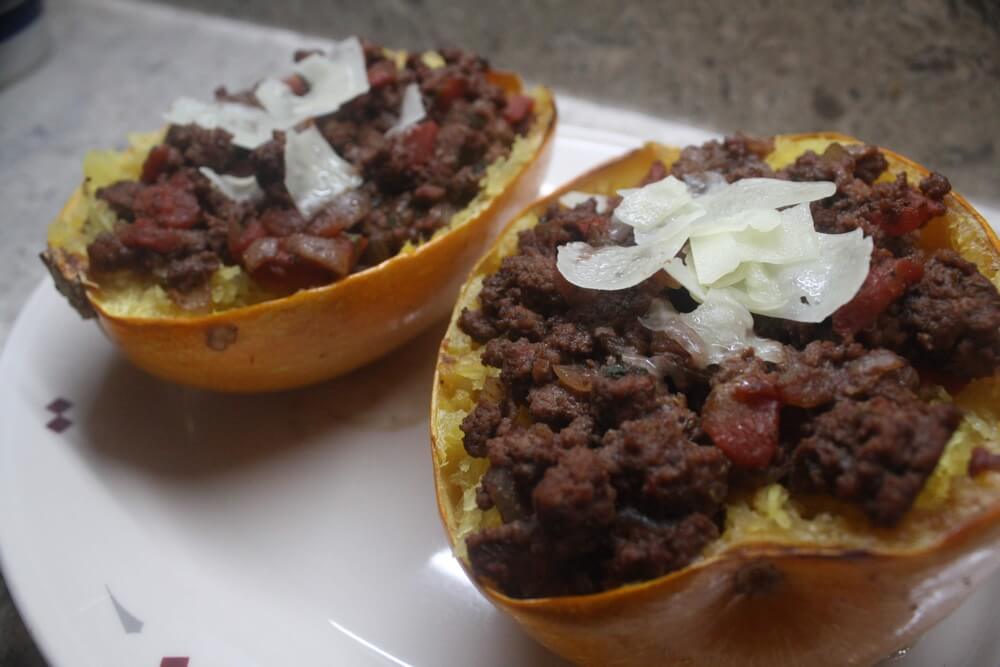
x,y
172,527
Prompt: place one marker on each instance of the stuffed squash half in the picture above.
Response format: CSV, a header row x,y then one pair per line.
x,y
736,404
291,232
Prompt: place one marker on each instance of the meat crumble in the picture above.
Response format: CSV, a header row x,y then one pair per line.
x,y
612,455
177,229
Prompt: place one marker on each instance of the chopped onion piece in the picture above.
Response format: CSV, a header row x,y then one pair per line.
x,y
574,198
249,126
717,329
577,378
333,79
645,363
618,267
237,188
411,111
314,173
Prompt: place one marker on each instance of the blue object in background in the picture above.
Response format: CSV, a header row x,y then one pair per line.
x,y
24,40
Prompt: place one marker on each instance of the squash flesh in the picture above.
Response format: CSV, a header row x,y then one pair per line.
x,y
127,295
268,342
769,515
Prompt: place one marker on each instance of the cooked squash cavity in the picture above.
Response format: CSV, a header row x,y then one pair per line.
x,y
128,295
770,513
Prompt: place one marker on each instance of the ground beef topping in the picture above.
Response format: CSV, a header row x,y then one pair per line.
x,y
933,309
177,229
612,455
949,318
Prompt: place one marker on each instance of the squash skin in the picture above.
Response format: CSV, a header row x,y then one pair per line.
x,y
755,602
323,332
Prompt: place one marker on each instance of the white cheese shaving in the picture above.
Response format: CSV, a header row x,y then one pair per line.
x,y
333,79
754,193
678,269
792,240
760,219
618,267
717,329
738,243
249,126
314,173
656,205
574,198
813,289
237,188
411,110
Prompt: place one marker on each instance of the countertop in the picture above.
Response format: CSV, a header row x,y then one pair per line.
x,y
114,65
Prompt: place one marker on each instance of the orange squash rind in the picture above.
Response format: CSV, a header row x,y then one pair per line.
x,y
787,583
319,333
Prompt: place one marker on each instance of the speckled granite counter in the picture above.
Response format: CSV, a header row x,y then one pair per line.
x,y
921,76
937,68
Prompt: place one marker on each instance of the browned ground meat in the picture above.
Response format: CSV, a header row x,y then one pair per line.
x,y
845,420
936,309
950,318
734,157
632,452
878,453
176,228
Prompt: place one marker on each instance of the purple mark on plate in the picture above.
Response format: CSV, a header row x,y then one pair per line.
x,y
59,406
60,422
174,662
130,624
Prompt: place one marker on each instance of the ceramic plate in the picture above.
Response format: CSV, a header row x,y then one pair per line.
x,y
143,524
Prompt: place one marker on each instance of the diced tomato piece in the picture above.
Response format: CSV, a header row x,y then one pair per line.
x,y
419,141
282,221
448,91
180,180
155,163
144,233
274,265
337,255
168,206
241,238
517,109
887,280
915,211
742,420
382,74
